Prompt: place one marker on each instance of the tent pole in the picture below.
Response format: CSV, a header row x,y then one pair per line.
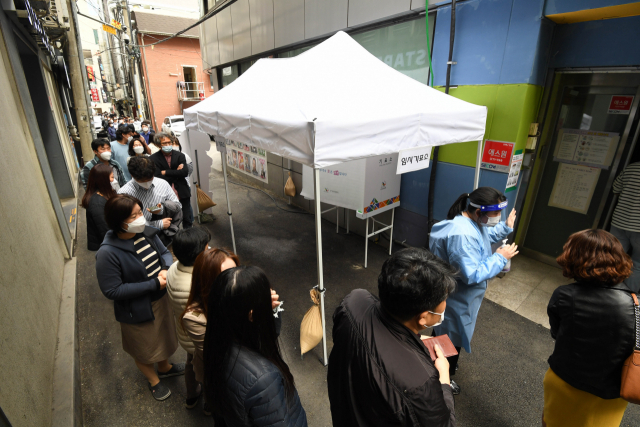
x,y
226,190
366,241
476,179
393,215
325,361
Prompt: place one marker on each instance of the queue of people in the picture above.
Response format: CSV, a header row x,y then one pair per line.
x,y
225,314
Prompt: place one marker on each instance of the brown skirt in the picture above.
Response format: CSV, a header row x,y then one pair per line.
x,y
153,341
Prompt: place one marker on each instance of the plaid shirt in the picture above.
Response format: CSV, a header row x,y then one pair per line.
x,y
159,192
117,171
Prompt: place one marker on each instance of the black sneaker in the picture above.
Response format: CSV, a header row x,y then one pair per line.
x,y
193,402
160,391
176,369
208,409
455,388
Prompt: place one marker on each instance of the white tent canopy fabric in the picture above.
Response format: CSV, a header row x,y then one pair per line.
x,y
332,104
357,105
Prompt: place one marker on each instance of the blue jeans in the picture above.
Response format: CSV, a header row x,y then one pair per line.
x,y
630,240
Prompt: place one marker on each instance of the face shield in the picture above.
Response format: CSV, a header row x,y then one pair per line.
x,y
486,220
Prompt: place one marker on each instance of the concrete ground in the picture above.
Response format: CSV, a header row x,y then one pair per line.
x,y
501,381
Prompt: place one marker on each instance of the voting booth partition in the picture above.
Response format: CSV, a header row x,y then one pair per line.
x,y
311,111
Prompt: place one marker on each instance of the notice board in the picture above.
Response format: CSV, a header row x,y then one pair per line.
x,y
574,187
586,147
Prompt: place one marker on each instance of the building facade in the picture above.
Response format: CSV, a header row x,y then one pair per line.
x,y
540,63
173,70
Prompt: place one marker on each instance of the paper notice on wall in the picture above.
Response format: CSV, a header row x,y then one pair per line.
x,y
574,187
585,147
514,172
248,160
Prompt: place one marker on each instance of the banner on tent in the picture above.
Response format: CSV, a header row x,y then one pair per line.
x,y
413,159
248,159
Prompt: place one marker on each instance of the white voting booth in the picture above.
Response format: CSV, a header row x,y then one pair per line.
x,y
368,186
333,104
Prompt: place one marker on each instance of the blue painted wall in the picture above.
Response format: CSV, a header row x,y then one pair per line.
x,y
451,181
496,42
563,6
611,42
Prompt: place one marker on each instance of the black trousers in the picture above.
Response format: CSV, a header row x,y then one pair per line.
x,y
187,216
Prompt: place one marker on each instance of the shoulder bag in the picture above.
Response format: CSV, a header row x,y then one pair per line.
x,y
630,388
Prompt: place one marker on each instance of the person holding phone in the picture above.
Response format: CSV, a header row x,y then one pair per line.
x,y
464,241
380,371
131,266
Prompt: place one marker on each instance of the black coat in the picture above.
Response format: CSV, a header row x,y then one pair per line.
x,y
380,372
96,224
259,400
172,175
123,278
594,326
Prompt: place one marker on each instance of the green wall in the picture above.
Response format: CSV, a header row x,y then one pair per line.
x,y
511,109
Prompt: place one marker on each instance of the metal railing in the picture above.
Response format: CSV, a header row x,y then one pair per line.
x,y
190,91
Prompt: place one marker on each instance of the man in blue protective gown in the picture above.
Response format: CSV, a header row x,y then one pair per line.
x,y
464,240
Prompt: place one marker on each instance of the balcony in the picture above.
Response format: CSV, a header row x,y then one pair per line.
x,y
190,91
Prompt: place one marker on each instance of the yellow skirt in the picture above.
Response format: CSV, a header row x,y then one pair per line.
x,y
566,406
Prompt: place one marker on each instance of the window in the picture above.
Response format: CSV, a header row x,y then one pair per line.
x,y
95,36
228,75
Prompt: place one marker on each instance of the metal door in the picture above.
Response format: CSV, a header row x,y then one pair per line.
x,y
581,102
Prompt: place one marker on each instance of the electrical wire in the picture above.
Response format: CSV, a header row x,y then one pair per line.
x,y
208,15
274,200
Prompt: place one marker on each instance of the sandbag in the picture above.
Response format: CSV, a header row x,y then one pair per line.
x,y
204,201
311,326
290,187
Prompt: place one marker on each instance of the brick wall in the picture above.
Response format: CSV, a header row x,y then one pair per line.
x,y
165,62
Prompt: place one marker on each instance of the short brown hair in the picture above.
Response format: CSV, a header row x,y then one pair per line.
x,y
117,209
595,255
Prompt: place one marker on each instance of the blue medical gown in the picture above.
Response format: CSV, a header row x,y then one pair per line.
x,y
467,246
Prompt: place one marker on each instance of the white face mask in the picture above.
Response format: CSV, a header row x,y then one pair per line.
x,y
115,185
492,221
138,149
145,185
441,318
176,148
105,155
129,139
145,129
136,226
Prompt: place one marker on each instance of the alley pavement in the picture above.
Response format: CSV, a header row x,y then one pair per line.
x,y
501,380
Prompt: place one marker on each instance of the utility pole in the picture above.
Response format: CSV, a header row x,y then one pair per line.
x,y
79,84
135,73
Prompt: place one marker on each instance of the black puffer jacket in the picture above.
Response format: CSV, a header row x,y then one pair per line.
x,y
258,393
594,328
380,373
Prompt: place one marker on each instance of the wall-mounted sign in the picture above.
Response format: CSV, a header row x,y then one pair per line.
x,y
94,95
41,36
620,104
248,159
116,24
90,75
109,29
573,187
586,147
497,156
514,172
413,159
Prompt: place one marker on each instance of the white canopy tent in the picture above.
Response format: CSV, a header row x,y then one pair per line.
x,y
334,103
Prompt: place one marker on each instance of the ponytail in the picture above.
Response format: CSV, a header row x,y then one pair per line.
x,y
482,196
459,206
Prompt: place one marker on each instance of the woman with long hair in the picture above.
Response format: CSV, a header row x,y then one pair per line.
x,y
464,240
245,376
99,190
208,265
593,323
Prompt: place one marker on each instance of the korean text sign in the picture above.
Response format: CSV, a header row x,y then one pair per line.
x,y
413,159
497,155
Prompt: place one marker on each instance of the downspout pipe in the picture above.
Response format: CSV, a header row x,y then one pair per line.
x,y
434,161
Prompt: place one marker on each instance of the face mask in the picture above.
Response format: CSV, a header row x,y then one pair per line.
x,y
176,148
129,139
492,221
115,185
167,148
105,155
111,124
138,149
145,129
145,185
137,226
441,318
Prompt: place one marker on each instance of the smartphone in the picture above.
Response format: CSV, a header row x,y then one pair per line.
x,y
153,208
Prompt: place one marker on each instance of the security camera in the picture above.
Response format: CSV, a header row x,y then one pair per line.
x,y
126,38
